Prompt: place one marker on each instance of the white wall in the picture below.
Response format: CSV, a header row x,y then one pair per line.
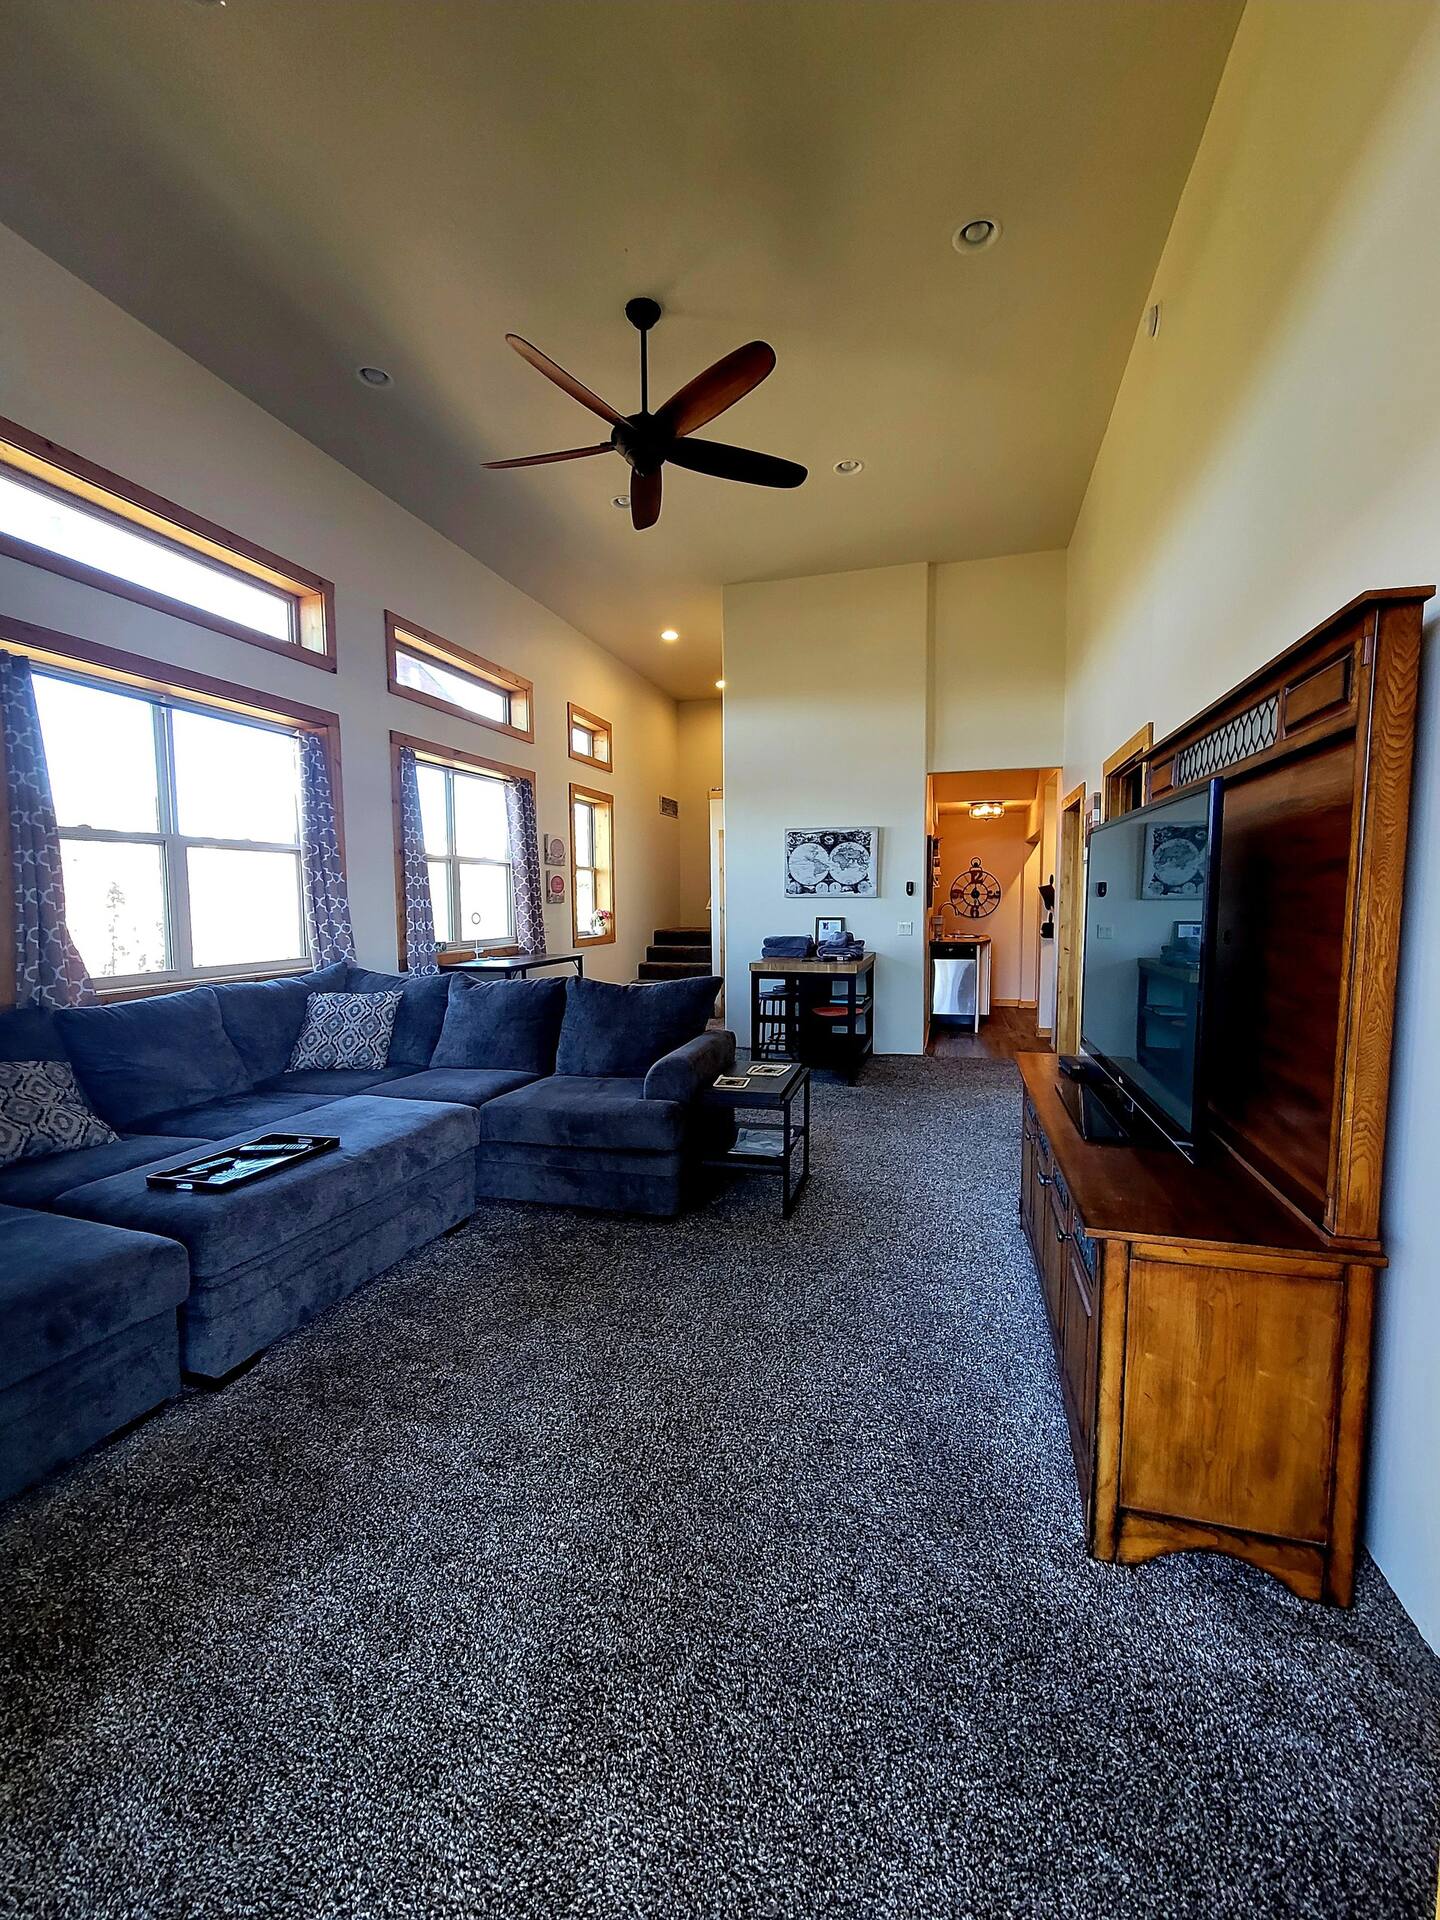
x,y
825,722
700,768
76,369
1272,452
997,673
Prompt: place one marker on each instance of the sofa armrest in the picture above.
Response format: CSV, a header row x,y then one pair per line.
x,y
685,1074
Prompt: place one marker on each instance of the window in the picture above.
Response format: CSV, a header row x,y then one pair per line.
x,y
422,666
179,833
592,866
467,851
589,737
59,511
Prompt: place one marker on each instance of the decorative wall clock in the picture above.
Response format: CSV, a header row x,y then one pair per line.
x,y
976,893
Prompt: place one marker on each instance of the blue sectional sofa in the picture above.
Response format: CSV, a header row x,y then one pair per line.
x,y
572,1093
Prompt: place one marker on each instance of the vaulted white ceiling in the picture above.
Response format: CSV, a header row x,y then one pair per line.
x,y
288,188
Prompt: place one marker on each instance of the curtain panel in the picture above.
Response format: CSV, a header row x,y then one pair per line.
x,y
419,913
327,904
48,970
525,866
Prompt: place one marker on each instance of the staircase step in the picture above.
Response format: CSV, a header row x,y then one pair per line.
x,y
665,950
672,970
682,936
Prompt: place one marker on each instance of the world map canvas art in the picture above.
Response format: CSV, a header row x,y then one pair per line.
x,y
831,861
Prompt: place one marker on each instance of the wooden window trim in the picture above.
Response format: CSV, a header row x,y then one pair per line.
x,y
461,762
594,724
43,646
1120,765
606,800
413,638
84,481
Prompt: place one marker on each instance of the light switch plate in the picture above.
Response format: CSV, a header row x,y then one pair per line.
x,y
904,926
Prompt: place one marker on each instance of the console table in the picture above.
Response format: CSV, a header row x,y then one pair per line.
x,y
516,966
808,985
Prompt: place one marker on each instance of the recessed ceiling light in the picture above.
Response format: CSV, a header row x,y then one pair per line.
x,y
848,467
669,633
972,236
620,500
373,376
720,686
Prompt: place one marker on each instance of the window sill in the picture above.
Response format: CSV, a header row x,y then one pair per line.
x,y
141,990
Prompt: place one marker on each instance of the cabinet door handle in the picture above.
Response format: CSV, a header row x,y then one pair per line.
x,y
1061,1236
1046,1179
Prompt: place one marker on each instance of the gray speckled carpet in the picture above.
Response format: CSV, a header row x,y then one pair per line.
x,y
718,1568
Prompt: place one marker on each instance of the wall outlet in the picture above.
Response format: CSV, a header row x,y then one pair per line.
x,y
904,926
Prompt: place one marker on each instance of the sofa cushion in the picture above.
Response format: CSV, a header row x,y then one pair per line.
x,y
589,1110
610,1030
384,1144
423,1000
30,1033
263,1018
252,1112
43,1111
339,1080
140,1057
512,1024
471,1086
66,1285
35,1183
345,1030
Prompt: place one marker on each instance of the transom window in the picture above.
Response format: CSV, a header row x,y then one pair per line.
x,y
179,833
589,737
59,511
438,673
467,852
592,867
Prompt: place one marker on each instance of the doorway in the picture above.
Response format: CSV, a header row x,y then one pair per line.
x,y
1070,908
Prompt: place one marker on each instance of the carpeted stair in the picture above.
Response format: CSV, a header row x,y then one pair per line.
x,y
677,953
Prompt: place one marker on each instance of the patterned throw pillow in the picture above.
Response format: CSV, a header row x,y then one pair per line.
x,y
345,1030
42,1110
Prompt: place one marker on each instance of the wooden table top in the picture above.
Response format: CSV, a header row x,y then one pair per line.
x,y
862,965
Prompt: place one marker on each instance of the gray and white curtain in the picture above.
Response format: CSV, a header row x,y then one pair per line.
x,y
419,913
327,905
48,970
525,866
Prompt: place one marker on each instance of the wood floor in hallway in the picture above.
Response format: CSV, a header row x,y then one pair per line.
x,y
1004,1032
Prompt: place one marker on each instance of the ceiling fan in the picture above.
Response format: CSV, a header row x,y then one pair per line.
x,y
648,440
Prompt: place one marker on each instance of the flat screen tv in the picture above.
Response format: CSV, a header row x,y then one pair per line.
x,y
1149,917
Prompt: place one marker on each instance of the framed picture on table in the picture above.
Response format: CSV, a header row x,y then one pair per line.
x,y
827,926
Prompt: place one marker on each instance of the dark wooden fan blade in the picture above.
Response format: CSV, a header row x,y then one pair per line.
x,y
565,381
717,388
644,499
736,463
544,459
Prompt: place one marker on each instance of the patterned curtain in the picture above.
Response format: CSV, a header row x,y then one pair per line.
x,y
419,914
525,866
48,970
327,905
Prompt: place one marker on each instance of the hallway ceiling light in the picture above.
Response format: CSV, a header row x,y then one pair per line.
x,y
669,633
986,809
973,236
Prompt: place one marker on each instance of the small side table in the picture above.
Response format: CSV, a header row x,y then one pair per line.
x,y
769,1146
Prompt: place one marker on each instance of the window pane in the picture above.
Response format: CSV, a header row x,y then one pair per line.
x,y
585,900
234,782
244,907
431,781
446,683
115,906
100,748
440,901
584,834
484,891
582,740
48,520
482,830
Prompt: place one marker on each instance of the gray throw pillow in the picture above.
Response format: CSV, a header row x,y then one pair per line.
x,y
42,1110
345,1030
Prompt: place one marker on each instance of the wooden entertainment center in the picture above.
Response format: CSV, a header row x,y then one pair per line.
x,y
1212,1323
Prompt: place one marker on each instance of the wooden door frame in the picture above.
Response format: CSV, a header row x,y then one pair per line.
x,y
1120,771
1070,920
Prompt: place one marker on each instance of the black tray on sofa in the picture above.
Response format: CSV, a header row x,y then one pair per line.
x,y
238,1166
